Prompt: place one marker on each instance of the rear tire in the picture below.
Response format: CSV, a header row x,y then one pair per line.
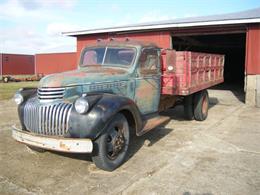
x,y
188,107
111,148
201,105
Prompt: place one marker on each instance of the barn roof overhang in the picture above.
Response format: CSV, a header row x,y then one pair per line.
x,y
238,18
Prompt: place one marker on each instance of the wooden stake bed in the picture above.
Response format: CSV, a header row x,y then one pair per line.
x,y
186,72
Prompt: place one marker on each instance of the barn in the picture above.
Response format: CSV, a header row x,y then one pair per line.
x,y
237,35
43,63
49,63
16,64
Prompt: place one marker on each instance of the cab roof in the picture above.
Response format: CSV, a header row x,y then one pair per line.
x,y
127,43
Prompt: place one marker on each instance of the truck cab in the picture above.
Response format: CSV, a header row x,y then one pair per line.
x,y
115,92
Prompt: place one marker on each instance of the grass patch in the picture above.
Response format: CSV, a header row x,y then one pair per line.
x,y
7,90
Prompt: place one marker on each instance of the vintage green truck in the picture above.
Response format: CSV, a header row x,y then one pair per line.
x,y
119,89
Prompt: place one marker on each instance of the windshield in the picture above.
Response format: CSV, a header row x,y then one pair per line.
x,y
108,56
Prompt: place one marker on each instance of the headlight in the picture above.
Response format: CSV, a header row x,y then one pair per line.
x,y
18,98
81,105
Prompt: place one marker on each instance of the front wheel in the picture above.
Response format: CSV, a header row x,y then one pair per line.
x,y
112,146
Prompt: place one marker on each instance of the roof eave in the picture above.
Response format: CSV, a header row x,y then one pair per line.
x,y
163,26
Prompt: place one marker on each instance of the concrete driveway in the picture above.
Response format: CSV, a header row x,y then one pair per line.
x,y
218,156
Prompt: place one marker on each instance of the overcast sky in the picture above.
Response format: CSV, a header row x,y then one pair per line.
x,y
35,26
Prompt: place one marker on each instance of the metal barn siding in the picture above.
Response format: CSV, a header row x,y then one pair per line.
x,y
17,64
253,50
55,62
162,39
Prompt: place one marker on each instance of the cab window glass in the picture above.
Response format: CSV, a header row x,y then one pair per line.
x,y
123,56
93,56
108,56
149,61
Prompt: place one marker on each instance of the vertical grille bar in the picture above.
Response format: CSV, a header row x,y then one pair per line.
x,y
53,119
49,119
37,121
64,118
44,120
60,119
68,116
57,119
40,120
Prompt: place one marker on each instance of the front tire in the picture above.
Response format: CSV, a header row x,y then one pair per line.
x,y
111,148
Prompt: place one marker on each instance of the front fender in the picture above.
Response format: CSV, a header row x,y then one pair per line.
x,y
93,123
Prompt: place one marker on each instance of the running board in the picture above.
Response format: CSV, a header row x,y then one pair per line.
x,y
153,122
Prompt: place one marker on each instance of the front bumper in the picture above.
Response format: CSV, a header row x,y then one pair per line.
x,y
70,145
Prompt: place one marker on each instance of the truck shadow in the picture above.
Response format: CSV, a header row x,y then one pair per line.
x,y
177,113
213,102
78,156
136,144
148,139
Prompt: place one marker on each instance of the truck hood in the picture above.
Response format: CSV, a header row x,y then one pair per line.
x,y
83,76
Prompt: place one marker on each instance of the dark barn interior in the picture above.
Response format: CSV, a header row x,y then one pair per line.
x,y
231,45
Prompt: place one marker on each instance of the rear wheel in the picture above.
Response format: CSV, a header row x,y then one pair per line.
x,y
112,146
201,105
188,107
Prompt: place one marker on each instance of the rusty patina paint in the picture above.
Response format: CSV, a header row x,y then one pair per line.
x,y
82,76
146,95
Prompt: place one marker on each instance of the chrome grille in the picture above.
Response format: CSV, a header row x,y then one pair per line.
x,y
47,119
50,93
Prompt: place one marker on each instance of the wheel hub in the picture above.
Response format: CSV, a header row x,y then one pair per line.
x,y
118,144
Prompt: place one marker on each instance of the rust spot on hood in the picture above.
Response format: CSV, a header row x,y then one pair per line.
x,y
82,76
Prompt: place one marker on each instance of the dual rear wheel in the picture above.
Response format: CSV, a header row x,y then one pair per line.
x,y
196,106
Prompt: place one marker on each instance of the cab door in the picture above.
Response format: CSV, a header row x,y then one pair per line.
x,y
148,81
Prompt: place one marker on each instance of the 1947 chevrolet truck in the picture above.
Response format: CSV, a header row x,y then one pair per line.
x,y
119,88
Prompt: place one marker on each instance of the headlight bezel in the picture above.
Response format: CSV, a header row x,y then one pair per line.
x,y
18,98
81,105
